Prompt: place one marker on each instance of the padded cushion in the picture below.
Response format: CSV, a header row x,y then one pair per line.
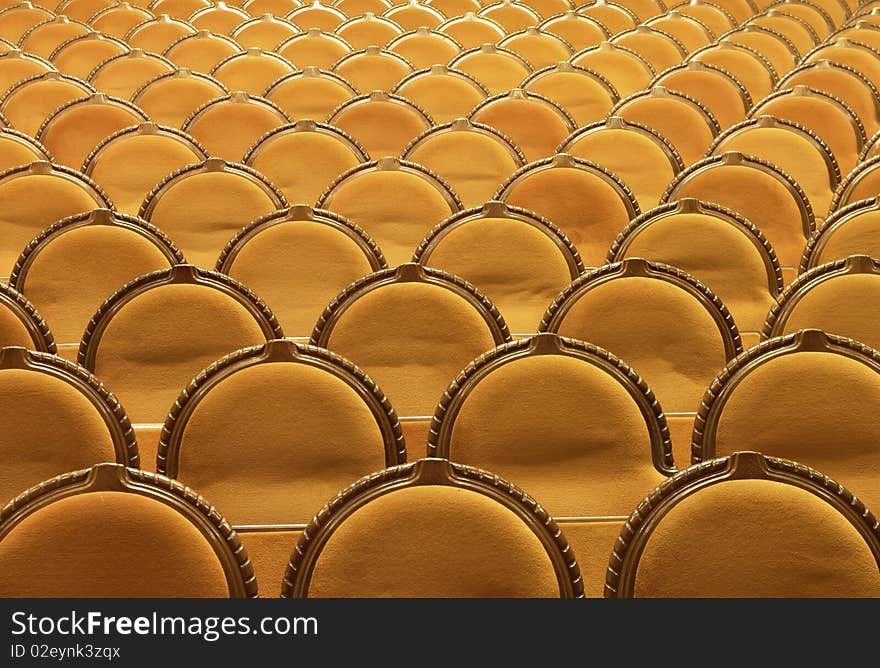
x,y
533,125
675,119
579,93
859,235
518,266
109,544
229,128
756,538
411,338
247,433
714,90
626,71
72,275
314,49
28,106
564,429
661,331
49,428
801,407
435,542
162,338
297,267
251,72
202,212
122,76
496,70
171,100
382,128
373,71
444,96
80,57
309,97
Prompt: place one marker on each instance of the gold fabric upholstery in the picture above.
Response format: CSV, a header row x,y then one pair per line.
x,y
220,18
314,48
424,47
17,149
444,93
80,55
109,544
264,32
755,538
433,541
583,94
413,15
129,164
748,66
535,124
362,30
310,94
579,31
16,66
202,51
229,126
397,207
857,233
72,131
203,207
658,48
162,338
298,264
373,69
29,103
117,20
498,69
586,203
252,71
719,91
627,71
471,30
318,16
473,159
537,47
171,98
43,38
157,34
382,124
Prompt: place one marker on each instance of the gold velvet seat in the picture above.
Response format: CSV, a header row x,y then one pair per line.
x,y
714,245
614,16
471,30
534,123
862,182
791,147
228,196
302,159
23,326
368,29
413,14
356,8
612,143
396,202
382,123
229,126
219,18
830,118
171,98
798,31
756,189
152,336
609,444
201,51
857,55
178,9
297,260
73,266
839,297
625,69
235,429
115,532
442,92
252,71
373,68
277,8
511,15
17,148
411,329
773,45
310,93
664,323
519,260
749,66
79,55
121,76
16,65
644,9
264,32
423,47
129,163
683,121
432,529
19,17
711,14
659,48
44,37
33,197
586,201
576,29
472,158
551,7
716,89
690,32
496,68
158,34
586,95
118,19
851,230
73,130
58,418
814,15
811,396
81,10
537,47
780,530
317,15
314,48
844,83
